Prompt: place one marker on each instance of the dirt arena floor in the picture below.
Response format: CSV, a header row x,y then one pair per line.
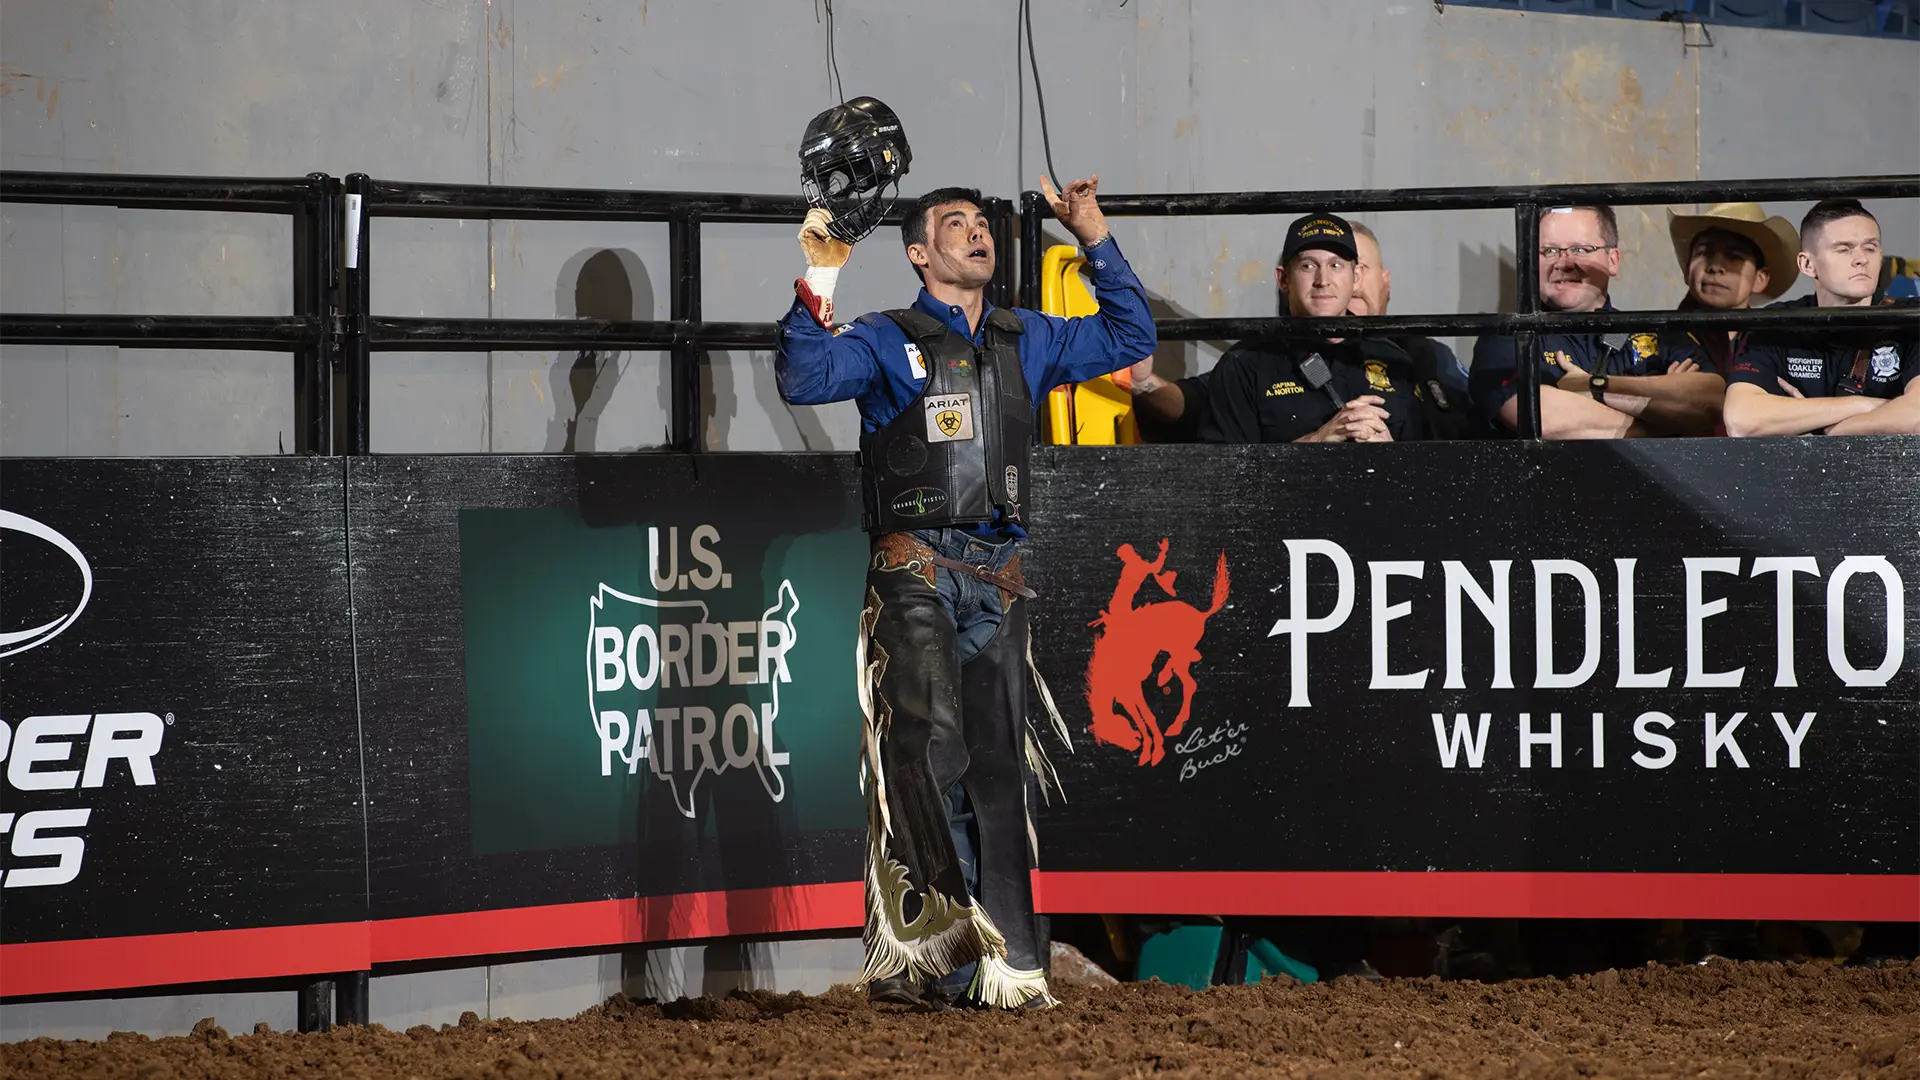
x,y
1718,1020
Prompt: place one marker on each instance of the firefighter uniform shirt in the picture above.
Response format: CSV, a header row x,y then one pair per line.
x,y
1821,363
1258,394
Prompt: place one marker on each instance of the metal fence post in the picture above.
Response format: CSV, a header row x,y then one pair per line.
x,y
1030,217
683,303
1000,222
315,1003
350,993
314,260
1526,346
355,294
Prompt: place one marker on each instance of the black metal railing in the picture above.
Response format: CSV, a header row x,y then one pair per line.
x,y
1529,321
684,336
332,332
306,333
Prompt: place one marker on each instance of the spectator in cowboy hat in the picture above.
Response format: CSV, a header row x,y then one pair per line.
x,y
1734,257
1713,246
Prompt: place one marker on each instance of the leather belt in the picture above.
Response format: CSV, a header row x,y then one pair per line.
x,y
982,574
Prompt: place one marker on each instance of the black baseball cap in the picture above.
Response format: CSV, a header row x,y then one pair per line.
x,y
1323,232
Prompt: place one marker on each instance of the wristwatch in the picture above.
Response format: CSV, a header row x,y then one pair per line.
x,y
1597,386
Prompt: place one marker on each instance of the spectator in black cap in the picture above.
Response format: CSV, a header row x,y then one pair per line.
x,y
1297,388
1592,386
1171,411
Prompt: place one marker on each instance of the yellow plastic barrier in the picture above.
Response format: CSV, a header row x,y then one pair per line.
x,y
1096,412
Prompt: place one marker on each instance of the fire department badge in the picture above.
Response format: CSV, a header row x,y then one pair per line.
x,y
1886,362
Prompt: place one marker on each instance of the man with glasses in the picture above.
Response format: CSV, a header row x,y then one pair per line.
x,y
1592,386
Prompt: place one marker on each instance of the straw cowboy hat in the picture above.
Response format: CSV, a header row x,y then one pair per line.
x,y
1778,242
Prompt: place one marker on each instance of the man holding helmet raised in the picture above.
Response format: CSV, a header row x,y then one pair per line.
x,y
947,390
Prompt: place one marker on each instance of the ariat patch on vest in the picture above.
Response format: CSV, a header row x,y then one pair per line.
x,y
949,417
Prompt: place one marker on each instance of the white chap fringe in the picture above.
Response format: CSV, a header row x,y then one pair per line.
x,y
1042,766
998,984
1046,698
873,707
948,933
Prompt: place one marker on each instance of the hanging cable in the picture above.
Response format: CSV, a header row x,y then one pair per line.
x,y
833,62
1046,141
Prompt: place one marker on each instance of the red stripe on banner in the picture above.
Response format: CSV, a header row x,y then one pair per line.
x,y
1840,897
60,967
616,922
57,967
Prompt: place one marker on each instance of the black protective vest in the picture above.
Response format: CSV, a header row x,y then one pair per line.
x,y
958,453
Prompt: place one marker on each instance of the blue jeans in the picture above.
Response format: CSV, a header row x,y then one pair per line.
x,y
975,606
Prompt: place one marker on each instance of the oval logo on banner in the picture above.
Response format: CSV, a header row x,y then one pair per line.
x,y
918,502
16,641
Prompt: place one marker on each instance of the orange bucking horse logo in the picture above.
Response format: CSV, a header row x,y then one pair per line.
x,y
1129,640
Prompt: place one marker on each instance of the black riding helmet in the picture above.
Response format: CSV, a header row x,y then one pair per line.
x,y
851,160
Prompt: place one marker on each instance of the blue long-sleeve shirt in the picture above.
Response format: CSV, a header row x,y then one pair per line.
x,y
867,360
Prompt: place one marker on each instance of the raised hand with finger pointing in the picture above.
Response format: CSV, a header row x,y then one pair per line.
x,y
1078,209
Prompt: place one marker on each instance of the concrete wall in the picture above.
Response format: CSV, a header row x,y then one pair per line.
x,y
1153,95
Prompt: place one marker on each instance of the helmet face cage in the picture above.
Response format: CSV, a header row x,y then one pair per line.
x,y
858,190
851,160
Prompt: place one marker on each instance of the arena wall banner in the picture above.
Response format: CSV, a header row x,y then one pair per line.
x,y
1621,679
610,699
607,699
182,794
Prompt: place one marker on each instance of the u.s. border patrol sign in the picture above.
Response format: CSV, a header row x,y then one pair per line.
x,y
609,667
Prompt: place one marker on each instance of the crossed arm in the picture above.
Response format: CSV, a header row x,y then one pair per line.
x,y
1751,411
1893,416
1565,415
1683,401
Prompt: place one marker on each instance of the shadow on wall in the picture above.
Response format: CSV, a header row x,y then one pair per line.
x,y
787,427
610,284
804,427
1488,279
613,284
